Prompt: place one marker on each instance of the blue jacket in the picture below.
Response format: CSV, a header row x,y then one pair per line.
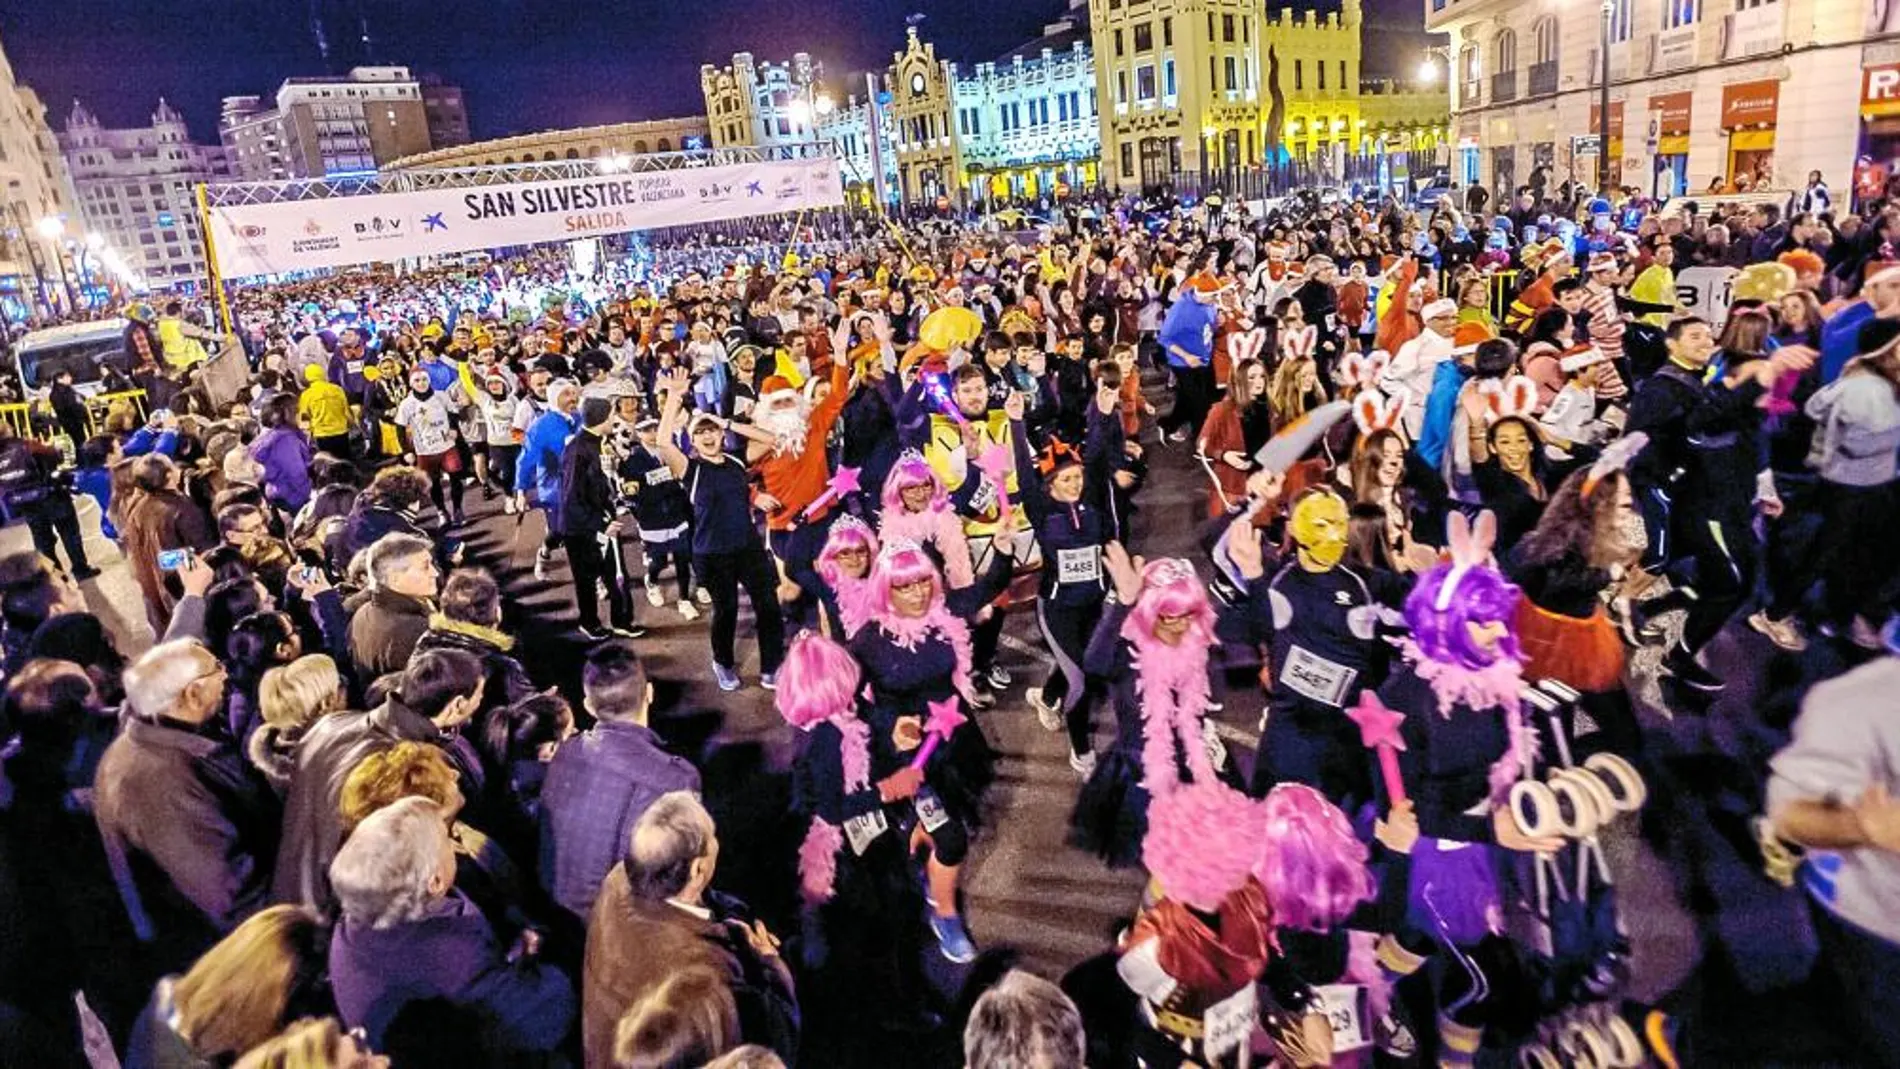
x,y
1840,338
1190,325
541,448
1440,406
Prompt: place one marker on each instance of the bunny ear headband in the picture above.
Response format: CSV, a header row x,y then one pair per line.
x,y
1514,395
1470,548
1373,411
1616,457
1246,344
1362,372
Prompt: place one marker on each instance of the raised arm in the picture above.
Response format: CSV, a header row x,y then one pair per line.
x,y
674,385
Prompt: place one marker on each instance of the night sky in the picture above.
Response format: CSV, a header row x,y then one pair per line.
x,y
526,64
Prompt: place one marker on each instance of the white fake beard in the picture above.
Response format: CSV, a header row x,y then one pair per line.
x,y
788,426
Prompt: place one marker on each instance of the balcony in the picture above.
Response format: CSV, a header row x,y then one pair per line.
x,y
1543,80
1470,94
1504,87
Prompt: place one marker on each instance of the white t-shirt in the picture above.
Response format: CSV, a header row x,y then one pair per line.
x,y
431,429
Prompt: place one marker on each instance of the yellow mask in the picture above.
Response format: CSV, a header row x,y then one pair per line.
x,y
1319,529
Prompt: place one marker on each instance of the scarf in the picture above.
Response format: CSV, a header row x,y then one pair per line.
x,y
1172,684
818,854
908,632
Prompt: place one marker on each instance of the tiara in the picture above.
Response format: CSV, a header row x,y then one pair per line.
x,y
851,524
1171,570
895,546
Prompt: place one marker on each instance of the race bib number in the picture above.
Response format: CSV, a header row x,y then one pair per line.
x,y
1345,1008
862,831
1082,565
354,367
1229,1023
984,499
1315,677
930,810
661,474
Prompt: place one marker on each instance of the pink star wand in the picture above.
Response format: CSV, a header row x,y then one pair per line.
x,y
843,481
1379,730
945,718
996,464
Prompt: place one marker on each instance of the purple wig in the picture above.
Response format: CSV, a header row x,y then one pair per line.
x,y
1480,596
1312,866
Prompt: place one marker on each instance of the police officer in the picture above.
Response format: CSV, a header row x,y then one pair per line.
x,y
32,490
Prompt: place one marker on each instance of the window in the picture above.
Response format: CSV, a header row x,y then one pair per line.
x,y
1233,74
1210,25
1246,30
1506,49
1546,30
1128,159
1062,108
1620,20
976,121
1145,37
1119,49
1167,31
1342,74
1468,62
1320,66
1227,28
1145,83
1680,13
1750,5
1299,74
1121,87
1167,77
1016,116
1213,73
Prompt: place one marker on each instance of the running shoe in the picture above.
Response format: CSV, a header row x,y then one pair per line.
x,y
1000,677
700,595
1084,764
727,678
689,611
769,680
655,597
1782,633
952,939
1689,672
1048,714
541,558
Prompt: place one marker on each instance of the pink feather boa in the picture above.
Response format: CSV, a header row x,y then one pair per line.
x,y
818,854
1495,686
939,527
911,631
1172,683
818,861
853,608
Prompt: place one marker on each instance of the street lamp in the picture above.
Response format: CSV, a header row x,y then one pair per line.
x,y
824,104
1603,104
50,227
1427,72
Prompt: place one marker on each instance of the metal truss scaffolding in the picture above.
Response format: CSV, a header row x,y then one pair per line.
x,y
228,194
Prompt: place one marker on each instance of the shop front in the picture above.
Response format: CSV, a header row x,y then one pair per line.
x,y
1615,158
1470,164
1879,156
1670,114
1748,120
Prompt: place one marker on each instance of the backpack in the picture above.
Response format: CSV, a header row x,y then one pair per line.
x,y
23,480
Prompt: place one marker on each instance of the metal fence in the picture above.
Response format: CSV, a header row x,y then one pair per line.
x,y
1398,173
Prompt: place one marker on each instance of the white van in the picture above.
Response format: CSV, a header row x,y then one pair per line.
x,y
76,347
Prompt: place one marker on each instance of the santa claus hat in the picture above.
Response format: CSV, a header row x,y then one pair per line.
x,y
1205,283
776,386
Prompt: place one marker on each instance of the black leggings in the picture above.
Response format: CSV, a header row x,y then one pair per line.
x,y
723,574
678,551
1725,554
1067,632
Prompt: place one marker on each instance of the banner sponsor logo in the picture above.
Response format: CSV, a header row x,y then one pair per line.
x,y
257,239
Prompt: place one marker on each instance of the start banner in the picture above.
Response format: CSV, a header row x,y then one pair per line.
x,y
302,235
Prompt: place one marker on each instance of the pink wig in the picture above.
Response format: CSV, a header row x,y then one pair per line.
x,y
821,681
1201,843
912,470
1312,866
848,532
1169,587
937,524
1172,680
901,563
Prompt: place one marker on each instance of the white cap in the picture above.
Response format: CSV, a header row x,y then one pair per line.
x,y
1443,306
